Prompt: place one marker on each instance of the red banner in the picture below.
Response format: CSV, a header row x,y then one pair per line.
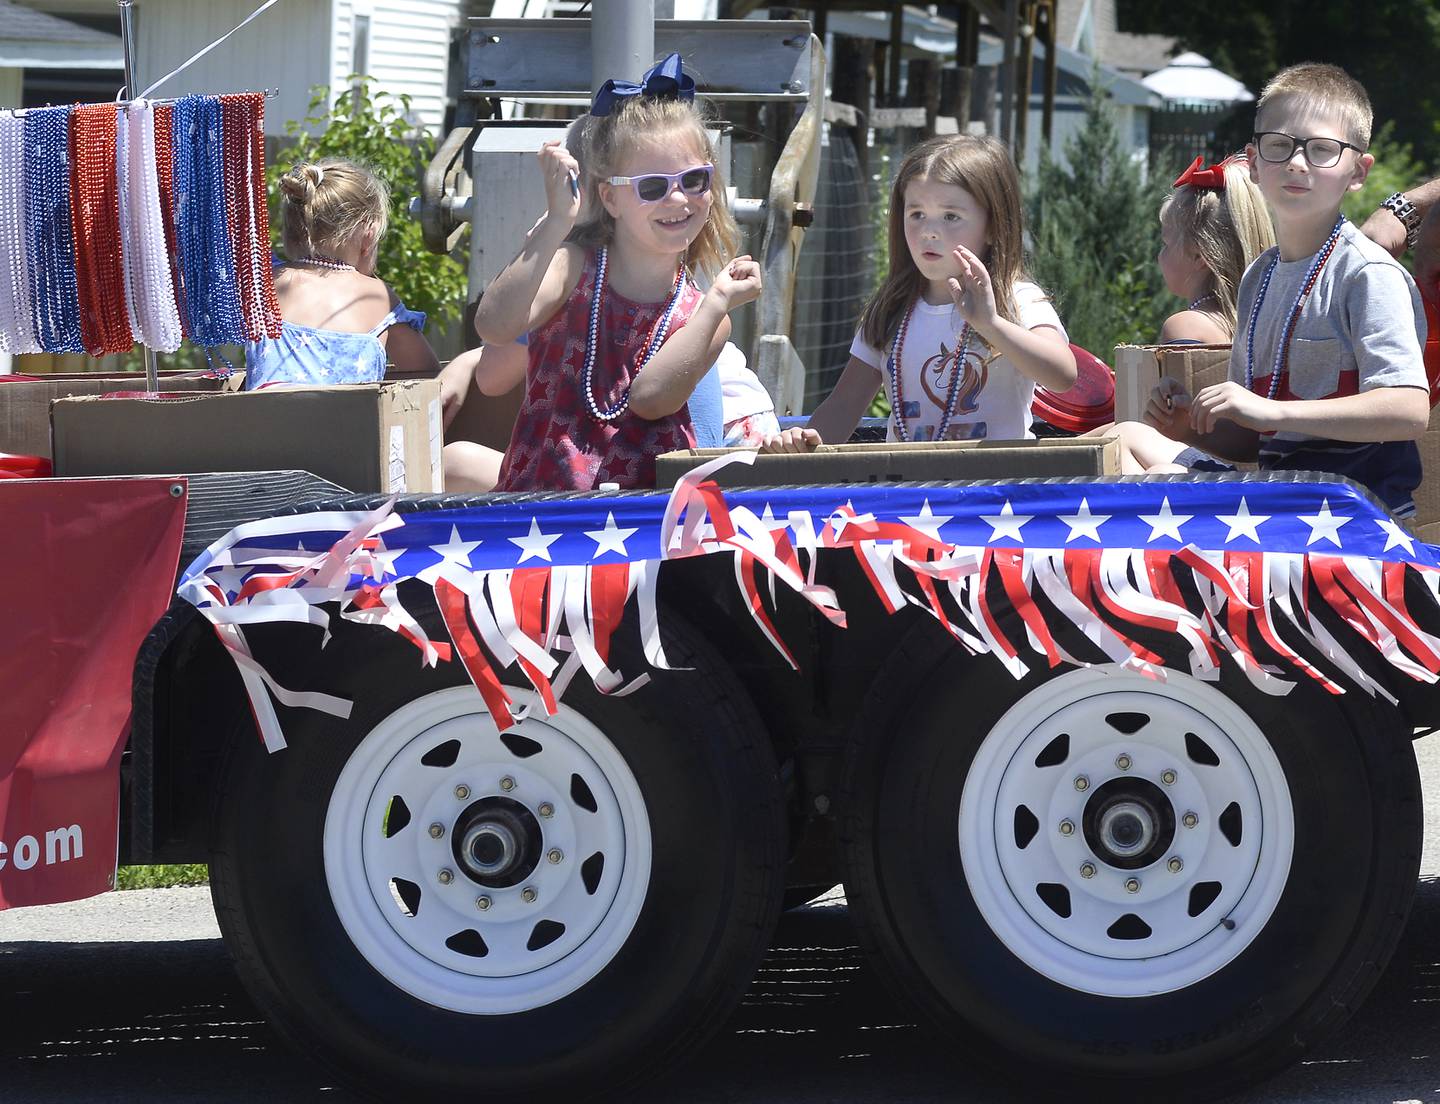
x,y
89,566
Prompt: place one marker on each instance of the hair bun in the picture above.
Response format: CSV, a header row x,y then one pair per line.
x,y
299,183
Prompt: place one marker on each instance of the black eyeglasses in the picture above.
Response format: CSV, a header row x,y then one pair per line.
x,y
1277,148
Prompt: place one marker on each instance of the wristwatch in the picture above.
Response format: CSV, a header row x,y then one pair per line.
x,y
1408,215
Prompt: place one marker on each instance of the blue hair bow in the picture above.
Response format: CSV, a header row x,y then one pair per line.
x,y
664,81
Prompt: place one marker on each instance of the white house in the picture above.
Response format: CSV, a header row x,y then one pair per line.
x,y
405,45
40,44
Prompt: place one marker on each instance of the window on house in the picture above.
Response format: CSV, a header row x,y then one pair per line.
x,y
360,48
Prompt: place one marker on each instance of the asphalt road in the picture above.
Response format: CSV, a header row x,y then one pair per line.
x,y
129,997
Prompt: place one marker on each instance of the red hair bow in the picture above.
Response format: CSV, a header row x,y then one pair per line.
x,y
1197,177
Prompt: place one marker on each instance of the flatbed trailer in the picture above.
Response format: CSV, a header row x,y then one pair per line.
x,y
502,795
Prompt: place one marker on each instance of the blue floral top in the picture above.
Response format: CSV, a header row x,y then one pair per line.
x,y
303,354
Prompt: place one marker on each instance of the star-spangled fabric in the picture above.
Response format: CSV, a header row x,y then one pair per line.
x,y
1226,567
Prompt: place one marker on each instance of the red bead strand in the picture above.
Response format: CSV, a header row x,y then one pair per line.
x,y
95,226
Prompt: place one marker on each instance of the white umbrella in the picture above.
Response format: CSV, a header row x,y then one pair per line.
x,y
1190,78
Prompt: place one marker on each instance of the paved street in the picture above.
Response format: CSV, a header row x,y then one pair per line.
x,y
129,998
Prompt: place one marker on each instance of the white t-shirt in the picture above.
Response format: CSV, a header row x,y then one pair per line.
x,y
994,398
742,393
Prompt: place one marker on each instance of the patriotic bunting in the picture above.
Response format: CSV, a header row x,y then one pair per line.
x,y
1151,575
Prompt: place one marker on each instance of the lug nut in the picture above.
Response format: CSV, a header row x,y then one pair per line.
x,y
1175,865
1190,820
482,903
1087,870
1067,827
436,831
1082,783
1168,777
555,855
1123,762
1132,885
446,877
528,895
462,791
507,783
547,810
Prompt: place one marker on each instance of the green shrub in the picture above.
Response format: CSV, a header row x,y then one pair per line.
x,y
162,877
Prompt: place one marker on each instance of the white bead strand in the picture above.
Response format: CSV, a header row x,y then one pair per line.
x,y
129,267
17,321
158,314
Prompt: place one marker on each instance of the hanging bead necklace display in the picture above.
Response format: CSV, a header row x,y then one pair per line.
x,y
17,324
1282,352
165,173
95,222
50,253
652,344
897,389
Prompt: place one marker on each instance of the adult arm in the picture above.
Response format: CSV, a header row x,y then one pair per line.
x,y
1383,228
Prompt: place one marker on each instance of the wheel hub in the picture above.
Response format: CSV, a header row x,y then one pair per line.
x,y
497,842
1129,823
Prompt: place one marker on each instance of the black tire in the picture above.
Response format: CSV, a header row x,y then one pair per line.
x,y
1353,782
701,759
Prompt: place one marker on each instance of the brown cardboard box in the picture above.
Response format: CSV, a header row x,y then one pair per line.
x,y
366,437
25,403
1138,369
1427,495
890,462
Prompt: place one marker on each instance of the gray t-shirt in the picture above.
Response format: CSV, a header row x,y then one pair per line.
x,y
1362,327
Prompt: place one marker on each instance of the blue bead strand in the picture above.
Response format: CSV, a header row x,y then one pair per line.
x,y
50,249
207,258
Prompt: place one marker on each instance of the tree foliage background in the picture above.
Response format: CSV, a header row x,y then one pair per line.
x,y
375,128
1391,46
1095,231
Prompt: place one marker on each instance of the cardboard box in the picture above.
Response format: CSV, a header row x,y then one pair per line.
x,y
1138,369
1427,496
891,462
365,437
25,401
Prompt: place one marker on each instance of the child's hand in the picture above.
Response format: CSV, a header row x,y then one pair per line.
x,y
1236,403
737,283
1169,408
796,439
561,173
974,296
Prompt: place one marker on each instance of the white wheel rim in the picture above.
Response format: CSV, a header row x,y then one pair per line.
x,y
1085,926
414,908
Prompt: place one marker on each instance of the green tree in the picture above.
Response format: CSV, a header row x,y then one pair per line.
x,y
374,128
1096,233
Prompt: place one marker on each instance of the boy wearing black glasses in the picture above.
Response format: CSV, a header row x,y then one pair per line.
x,y
1326,371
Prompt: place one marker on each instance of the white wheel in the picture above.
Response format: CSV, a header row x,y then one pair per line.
x,y
1126,837
454,853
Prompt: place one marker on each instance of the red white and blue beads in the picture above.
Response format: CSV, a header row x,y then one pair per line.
x,y
897,389
17,325
1282,351
657,337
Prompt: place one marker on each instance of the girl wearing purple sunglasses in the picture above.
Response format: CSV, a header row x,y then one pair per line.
x,y
619,333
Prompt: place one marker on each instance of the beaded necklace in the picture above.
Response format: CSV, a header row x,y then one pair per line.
x,y
164,129
657,336
147,263
317,260
897,389
207,259
1282,352
50,251
130,255
95,223
243,171
17,324
1208,297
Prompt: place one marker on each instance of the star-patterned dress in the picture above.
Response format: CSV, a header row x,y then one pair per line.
x,y
557,445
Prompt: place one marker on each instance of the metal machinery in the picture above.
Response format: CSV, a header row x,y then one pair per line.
x,y
483,172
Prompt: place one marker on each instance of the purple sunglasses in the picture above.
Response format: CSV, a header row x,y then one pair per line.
x,y
653,187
